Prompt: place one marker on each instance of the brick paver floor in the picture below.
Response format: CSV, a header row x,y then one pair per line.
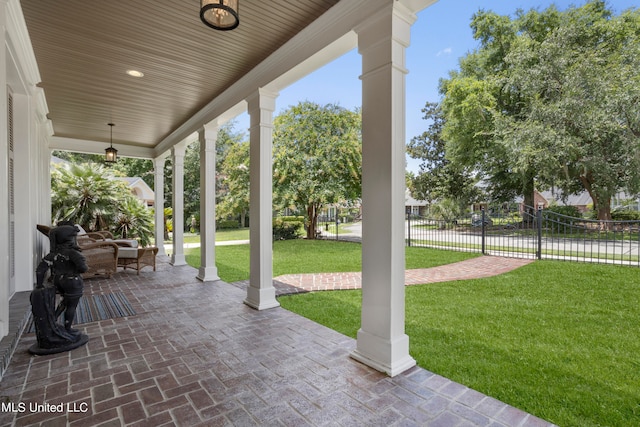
x,y
195,355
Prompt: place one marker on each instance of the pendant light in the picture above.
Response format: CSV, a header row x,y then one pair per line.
x,y
111,154
220,14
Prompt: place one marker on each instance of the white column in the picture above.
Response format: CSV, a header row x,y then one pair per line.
x,y
208,136
177,157
381,342
4,179
261,294
158,184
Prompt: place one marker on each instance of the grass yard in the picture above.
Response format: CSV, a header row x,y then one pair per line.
x,y
559,340
221,236
314,256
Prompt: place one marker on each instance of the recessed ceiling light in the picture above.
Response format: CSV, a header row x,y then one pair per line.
x,y
135,73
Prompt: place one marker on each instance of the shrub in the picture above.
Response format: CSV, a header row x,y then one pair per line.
x,y
298,218
625,215
287,230
571,211
227,224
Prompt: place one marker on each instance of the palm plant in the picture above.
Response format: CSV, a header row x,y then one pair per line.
x,y
84,194
447,210
134,220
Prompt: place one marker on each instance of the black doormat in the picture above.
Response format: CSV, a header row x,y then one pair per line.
x,y
97,307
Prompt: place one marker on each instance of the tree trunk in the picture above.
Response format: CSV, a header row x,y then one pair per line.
x,y
529,212
601,204
312,214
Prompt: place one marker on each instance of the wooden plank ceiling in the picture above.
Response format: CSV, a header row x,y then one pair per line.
x,y
84,48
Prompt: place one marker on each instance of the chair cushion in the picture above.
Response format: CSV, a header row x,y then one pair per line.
x,y
124,252
130,242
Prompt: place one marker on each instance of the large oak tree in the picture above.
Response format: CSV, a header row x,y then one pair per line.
x,y
550,99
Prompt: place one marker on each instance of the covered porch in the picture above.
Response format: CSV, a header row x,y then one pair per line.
x,y
193,355
64,77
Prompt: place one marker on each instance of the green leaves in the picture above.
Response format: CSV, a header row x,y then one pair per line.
x,y
317,157
553,97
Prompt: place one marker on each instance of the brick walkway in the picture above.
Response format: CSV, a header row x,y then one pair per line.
x,y
474,268
195,355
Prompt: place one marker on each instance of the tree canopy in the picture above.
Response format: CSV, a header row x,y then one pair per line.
x,y
439,178
549,99
317,158
234,182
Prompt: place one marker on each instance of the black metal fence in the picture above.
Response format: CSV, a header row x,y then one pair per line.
x,y
538,234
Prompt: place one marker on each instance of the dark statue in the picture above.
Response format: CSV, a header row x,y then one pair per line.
x,y
66,264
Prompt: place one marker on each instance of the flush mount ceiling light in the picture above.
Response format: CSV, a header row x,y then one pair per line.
x,y
110,153
135,73
220,14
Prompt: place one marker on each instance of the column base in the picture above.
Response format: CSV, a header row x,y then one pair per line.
x,y
178,259
208,274
390,357
261,299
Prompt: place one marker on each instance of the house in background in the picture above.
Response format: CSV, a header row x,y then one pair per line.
x,y
140,189
582,201
413,206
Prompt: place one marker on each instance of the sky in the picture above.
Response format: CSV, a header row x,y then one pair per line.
x,y
439,38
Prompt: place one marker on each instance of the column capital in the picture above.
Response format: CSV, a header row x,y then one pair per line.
x,y
208,136
262,98
158,163
179,149
393,21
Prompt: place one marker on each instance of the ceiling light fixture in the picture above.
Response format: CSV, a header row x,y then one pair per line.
x,y
110,154
220,14
135,73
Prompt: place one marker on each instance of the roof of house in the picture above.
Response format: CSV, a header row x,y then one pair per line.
x,y
581,199
410,201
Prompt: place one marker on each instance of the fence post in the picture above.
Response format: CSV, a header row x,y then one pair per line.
x,y
539,219
484,231
408,228
337,222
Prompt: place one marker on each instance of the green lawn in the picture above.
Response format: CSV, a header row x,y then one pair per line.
x,y
221,236
313,256
556,339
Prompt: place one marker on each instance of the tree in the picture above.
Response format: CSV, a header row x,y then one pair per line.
x,y
471,97
580,126
549,99
234,179
317,158
439,178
